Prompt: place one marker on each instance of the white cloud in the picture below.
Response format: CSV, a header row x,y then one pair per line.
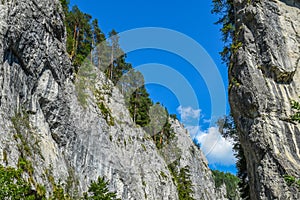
x,y
188,113
217,149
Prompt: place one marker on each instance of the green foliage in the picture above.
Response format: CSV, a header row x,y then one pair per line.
x,y
230,181
292,181
79,35
85,79
144,147
164,136
225,9
182,179
98,190
5,160
117,65
59,193
163,175
228,130
14,186
184,184
139,106
296,106
65,5
25,165
174,116
159,127
25,135
86,40
104,110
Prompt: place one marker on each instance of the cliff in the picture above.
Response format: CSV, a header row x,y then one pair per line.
x,y
44,125
265,77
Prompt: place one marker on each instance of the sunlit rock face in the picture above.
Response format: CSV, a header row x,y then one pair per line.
x,y
267,73
66,141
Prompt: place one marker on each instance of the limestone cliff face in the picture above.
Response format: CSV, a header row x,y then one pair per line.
x,y
42,121
266,74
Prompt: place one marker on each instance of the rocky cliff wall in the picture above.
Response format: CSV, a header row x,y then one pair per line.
x,y
265,76
42,121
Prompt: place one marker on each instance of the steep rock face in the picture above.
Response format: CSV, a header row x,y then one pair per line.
x,y
266,74
42,121
183,151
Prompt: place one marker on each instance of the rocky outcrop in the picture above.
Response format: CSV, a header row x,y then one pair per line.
x,y
266,70
43,121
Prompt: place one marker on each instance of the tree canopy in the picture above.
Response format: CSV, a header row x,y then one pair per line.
x,y
230,181
225,9
228,130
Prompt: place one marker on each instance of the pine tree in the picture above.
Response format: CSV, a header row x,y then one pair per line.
x,y
79,35
98,190
99,47
117,66
139,106
225,9
184,184
228,130
65,6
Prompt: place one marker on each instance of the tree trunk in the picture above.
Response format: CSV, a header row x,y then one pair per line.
x,y
111,61
99,56
93,44
161,136
74,42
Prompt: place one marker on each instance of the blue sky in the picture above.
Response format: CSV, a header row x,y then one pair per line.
x,y
194,19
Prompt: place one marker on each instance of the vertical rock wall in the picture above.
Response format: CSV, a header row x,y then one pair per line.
x,y
265,77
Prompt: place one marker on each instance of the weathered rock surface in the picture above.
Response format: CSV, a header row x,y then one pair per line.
x,y
66,140
267,73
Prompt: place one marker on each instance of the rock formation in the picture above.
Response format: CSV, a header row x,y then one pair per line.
x,y
265,76
42,121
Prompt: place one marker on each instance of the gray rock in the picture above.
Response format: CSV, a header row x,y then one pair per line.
x,y
267,70
68,141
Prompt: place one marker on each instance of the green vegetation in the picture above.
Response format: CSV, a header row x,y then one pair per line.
x,y
13,185
98,190
296,106
159,127
103,108
85,40
230,181
228,130
144,147
139,106
173,116
181,177
225,9
25,135
164,136
292,181
163,175
89,49
85,79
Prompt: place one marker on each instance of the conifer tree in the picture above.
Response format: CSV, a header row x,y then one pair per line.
x,y
139,106
228,130
184,184
79,35
98,190
225,9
